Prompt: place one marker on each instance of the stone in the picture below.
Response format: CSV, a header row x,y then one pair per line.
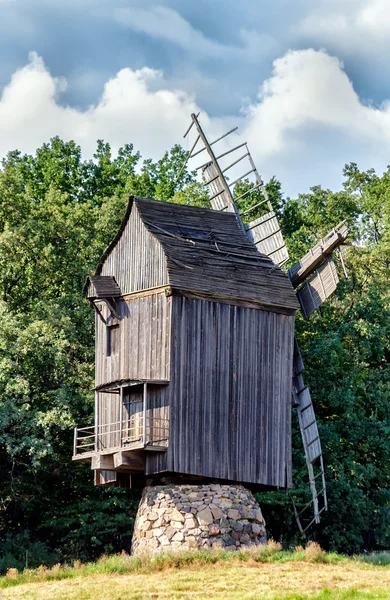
x,y
214,529
152,516
164,541
216,511
177,516
205,516
170,532
258,515
191,523
160,521
157,532
233,514
256,528
248,513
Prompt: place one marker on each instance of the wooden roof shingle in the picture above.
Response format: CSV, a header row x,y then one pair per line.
x,y
207,251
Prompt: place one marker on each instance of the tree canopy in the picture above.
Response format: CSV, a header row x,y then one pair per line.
x,y
57,214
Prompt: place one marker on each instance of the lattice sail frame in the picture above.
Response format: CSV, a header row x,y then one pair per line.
x,y
265,231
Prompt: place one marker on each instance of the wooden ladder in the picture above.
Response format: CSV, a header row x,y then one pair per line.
x,y
311,443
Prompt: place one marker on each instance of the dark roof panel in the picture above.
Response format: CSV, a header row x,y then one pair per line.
x,y
101,286
208,252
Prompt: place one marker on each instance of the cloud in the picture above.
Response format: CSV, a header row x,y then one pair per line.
x,y
305,124
127,111
359,26
164,23
310,88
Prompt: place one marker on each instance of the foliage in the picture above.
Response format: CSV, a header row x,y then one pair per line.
x,y
346,353
57,214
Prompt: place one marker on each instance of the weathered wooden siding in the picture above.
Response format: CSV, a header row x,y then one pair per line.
x,y
107,420
137,261
230,392
144,341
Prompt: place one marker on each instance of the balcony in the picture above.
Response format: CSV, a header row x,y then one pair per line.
x,y
124,435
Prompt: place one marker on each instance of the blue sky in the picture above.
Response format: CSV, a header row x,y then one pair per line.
x,y
307,82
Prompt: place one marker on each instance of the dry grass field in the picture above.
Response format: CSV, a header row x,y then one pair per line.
x,y
220,576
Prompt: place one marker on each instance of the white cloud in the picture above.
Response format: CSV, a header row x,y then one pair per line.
x,y
306,123
128,111
166,24
310,88
353,26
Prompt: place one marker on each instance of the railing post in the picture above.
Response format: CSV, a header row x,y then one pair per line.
x,y
75,441
120,416
144,414
96,421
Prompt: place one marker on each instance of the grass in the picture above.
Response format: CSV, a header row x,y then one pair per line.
x,y
263,573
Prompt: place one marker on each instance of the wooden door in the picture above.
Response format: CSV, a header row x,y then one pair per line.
x,y
132,414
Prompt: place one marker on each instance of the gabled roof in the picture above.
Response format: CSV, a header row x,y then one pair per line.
x,y
208,253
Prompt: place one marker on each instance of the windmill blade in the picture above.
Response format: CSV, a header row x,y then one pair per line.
x,y
318,254
221,198
311,444
318,288
264,231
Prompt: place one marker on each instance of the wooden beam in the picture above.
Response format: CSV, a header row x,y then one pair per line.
x,y
103,462
129,461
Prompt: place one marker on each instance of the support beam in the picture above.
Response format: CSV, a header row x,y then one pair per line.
x,y
129,461
103,461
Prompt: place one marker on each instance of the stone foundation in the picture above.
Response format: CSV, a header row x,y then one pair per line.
x,y
183,517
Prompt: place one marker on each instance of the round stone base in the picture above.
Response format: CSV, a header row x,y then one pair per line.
x,y
184,517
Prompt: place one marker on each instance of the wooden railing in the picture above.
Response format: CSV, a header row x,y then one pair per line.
x,y
123,435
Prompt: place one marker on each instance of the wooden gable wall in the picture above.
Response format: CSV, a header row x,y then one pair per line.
x,y
137,260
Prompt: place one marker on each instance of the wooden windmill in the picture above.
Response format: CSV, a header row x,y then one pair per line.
x,y
314,278
196,363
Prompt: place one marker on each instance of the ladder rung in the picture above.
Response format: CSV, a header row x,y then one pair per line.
x,y
303,389
211,180
312,442
252,207
218,194
310,424
242,177
312,521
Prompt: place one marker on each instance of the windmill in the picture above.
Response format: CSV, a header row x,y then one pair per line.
x,y
314,277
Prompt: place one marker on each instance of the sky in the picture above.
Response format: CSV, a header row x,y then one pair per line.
x,y
307,82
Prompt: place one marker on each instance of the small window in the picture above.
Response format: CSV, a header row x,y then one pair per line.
x,y
113,340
